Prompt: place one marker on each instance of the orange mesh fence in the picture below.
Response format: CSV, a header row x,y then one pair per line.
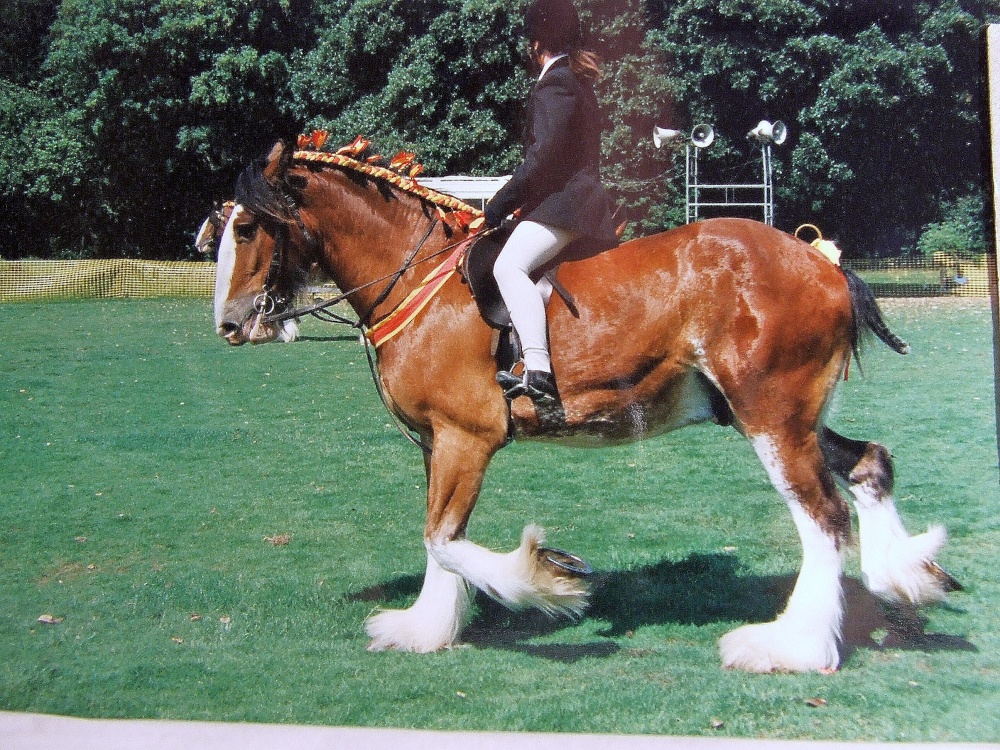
x,y
22,280
940,276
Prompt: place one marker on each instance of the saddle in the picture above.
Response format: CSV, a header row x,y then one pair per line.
x,y
477,271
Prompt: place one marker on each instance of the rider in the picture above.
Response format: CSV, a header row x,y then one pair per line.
x,y
565,212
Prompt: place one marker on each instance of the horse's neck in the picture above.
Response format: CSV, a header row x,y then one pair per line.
x,y
371,238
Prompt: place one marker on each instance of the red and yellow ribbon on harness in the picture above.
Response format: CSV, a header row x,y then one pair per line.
x,y
417,300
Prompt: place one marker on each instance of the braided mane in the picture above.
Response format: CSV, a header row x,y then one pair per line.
x,y
400,172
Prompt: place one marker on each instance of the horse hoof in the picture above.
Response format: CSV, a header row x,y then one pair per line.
x,y
946,579
566,563
772,647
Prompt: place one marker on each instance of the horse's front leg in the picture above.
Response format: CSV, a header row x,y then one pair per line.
x,y
517,579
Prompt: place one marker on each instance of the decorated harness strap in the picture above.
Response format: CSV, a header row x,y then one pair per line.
x,y
416,300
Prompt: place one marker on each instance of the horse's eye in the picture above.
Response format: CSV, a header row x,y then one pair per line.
x,y
245,231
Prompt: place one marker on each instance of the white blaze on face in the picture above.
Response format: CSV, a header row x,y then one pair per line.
x,y
226,265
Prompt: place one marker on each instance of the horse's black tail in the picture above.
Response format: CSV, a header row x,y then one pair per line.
x,y
868,317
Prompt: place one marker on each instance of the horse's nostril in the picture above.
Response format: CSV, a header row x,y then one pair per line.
x,y
227,329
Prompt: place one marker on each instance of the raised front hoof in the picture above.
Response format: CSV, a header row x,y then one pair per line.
x,y
946,580
402,630
557,580
770,647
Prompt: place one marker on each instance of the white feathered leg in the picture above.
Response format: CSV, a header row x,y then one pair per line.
x,y
804,637
896,566
433,622
517,579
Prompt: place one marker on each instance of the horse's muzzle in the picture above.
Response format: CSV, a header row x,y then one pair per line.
x,y
232,333
253,330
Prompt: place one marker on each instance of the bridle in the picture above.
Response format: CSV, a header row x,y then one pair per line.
x,y
269,300
274,306
272,300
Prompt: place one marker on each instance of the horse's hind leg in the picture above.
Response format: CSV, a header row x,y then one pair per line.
x,y
805,636
896,566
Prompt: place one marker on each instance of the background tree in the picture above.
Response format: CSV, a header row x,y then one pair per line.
x,y
120,120
139,113
24,28
882,98
442,77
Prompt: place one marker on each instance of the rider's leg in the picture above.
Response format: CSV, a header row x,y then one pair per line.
x,y
530,246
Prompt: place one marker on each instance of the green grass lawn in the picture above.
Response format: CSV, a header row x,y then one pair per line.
x,y
149,475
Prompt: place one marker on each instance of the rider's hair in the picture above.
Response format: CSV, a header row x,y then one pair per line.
x,y
555,25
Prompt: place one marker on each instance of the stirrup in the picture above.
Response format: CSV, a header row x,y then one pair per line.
x,y
540,387
512,385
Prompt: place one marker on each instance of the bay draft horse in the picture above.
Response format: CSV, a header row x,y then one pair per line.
x,y
727,320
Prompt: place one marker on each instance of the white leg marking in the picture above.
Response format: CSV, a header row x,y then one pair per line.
x,y
516,579
804,637
433,622
895,565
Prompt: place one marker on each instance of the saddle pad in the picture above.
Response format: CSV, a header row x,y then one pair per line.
x,y
478,271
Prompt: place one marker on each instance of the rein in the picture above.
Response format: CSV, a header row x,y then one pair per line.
x,y
350,158
407,264
266,303
320,310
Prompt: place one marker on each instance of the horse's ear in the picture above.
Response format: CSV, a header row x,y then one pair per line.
x,y
277,163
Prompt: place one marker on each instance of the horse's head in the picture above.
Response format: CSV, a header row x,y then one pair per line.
x,y
264,254
206,239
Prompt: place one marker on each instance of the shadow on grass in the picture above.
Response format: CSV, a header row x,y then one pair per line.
x,y
698,590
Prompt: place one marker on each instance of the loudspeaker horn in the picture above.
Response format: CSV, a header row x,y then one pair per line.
x,y
779,132
702,136
765,131
662,135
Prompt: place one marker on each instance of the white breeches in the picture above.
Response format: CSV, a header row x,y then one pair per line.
x,y
531,245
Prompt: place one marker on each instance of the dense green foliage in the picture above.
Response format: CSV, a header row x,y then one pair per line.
x,y
882,100
120,120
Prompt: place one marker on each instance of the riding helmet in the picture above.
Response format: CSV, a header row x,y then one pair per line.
x,y
555,24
